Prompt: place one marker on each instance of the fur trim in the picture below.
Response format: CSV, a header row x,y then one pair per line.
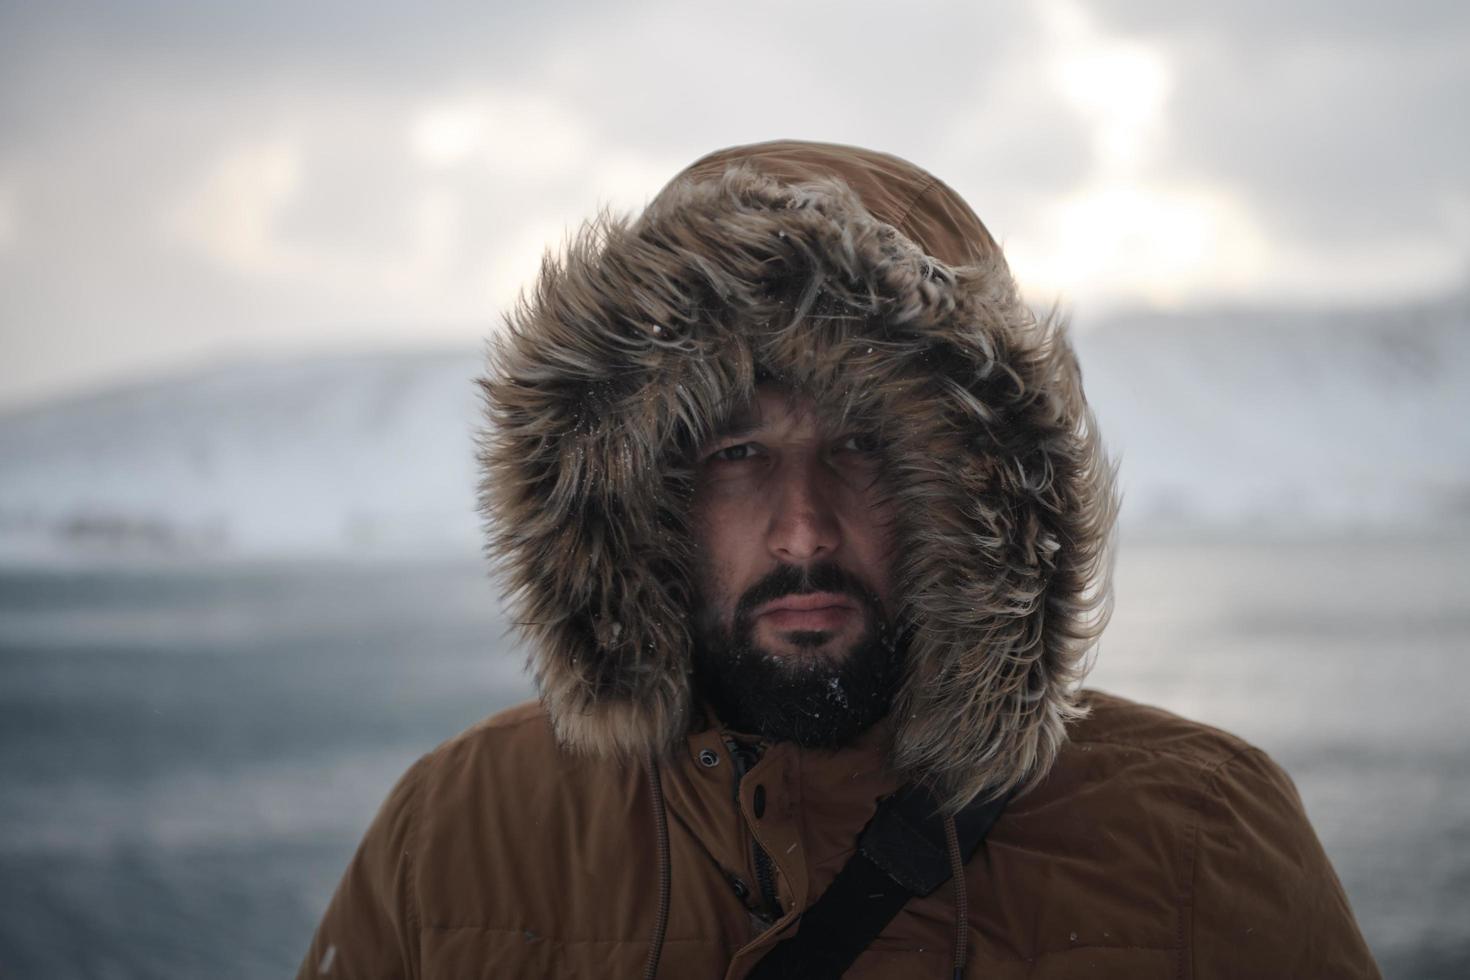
x,y
636,342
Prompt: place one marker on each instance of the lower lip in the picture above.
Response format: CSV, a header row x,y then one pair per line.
x,y
794,620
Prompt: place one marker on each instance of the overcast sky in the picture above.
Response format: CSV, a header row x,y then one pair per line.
x,y
181,181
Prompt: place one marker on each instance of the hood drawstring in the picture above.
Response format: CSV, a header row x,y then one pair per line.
x,y
661,830
961,899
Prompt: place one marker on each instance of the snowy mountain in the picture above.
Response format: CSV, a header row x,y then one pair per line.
x,y
1259,421
355,453
1287,421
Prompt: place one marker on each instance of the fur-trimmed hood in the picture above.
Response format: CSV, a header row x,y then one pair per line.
x,y
635,343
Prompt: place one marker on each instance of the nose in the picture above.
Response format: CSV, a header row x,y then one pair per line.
x,y
804,525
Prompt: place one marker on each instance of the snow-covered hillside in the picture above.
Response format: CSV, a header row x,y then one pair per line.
x,y
359,453
1251,420
1287,421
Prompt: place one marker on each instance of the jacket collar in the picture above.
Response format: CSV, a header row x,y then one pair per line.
x,y
814,803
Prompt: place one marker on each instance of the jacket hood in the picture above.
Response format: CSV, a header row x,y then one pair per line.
x,y
870,286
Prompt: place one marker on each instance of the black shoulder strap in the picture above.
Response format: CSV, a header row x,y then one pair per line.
x,y
902,853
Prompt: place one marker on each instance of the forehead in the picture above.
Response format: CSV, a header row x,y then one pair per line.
x,y
775,409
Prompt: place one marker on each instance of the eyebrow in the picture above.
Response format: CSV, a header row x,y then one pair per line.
x,y
742,422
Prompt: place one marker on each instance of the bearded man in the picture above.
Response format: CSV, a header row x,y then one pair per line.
x,y
805,521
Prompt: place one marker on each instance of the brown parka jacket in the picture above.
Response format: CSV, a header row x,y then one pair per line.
x,y
615,824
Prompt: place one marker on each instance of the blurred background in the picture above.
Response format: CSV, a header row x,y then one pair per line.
x,y
249,254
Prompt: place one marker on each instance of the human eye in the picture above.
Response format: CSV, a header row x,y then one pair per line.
x,y
735,453
859,442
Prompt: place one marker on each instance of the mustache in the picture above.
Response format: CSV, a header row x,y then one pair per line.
x,y
787,580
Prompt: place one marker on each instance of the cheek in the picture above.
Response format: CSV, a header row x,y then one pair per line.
x,y
714,561
875,537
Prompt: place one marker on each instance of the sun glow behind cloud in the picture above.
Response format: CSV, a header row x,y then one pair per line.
x,y
1122,242
527,138
231,214
1118,86
1127,233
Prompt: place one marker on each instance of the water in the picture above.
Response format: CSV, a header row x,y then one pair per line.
x,y
1346,661
189,756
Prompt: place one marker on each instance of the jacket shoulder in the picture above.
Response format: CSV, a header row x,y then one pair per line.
x,y
1203,829
509,758
479,850
494,785
505,819
1124,726
522,726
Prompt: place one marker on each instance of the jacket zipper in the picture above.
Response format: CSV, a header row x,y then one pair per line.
x,y
766,881
746,757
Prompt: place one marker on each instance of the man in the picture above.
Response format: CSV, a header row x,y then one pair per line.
x,y
804,518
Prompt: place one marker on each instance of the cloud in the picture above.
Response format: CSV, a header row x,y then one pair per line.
x,y
1118,85
1334,124
1119,242
9,224
175,180
233,213
1268,23
422,210
1254,166
523,137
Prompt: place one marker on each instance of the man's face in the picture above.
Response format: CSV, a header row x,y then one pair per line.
x,y
794,533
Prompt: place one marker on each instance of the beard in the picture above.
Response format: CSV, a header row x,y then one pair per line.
x,y
815,700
